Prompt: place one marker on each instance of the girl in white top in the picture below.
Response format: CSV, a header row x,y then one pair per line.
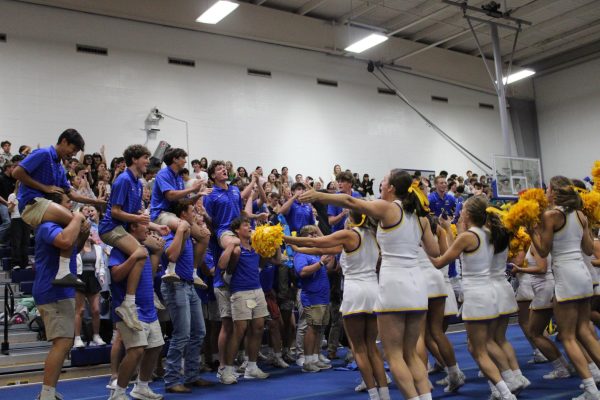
x,y
359,258
402,292
475,245
564,232
542,280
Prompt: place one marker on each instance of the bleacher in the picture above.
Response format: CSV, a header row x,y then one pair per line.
x,y
23,354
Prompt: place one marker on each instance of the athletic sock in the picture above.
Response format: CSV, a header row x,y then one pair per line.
x,y
590,386
384,393
453,370
373,395
517,373
48,392
426,396
507,375
503,389
171,268
129,299
251,366
63,267
142,384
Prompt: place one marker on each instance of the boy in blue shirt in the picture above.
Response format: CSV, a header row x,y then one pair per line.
x,y
312,275
297,214
125,207
143,347
248,304
41,173
168,189
56,304
338,215
183,305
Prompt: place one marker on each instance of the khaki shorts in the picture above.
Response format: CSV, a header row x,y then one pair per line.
x,y
224,234
149,338
248,304
33,213
164,218
317,315
112,237
223,301
59,319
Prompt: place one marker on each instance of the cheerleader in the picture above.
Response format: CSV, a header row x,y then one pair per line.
x,y
564,233
402,292
542,285
359,257
476,247
594,262
434,333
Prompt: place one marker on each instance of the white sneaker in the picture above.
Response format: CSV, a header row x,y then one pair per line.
x,y
97,340
242,368
171,278
144,393
322,365
115,396
310,367
300,361
227,378
515,386
361,387
455,384
157,303
324,359
255,373
538,357
279,362
128,313
112,384
524,381
559,373
78,343
443,381
435,368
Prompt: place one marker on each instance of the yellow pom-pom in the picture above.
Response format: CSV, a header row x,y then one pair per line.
x,y
522,213
266,239
591,206
454,230
519,242
537,195
596,175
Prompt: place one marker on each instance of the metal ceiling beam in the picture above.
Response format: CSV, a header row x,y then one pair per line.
x,y
417,22
364,8
259,2
573,13
570,45
423,10
309,6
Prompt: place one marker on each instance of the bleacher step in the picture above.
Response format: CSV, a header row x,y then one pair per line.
x,y
20,337
67,373
24,356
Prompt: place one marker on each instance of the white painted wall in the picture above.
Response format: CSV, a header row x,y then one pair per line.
x,y
46,86
568,110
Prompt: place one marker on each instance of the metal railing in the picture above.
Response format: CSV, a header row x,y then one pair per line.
x,y
9,310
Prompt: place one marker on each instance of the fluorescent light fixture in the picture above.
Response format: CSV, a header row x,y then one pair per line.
x,y
217,12
372,40
517,76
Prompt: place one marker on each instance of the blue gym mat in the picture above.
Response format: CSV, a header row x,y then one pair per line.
x,y
292,384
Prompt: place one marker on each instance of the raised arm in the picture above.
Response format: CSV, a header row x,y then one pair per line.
x,y
540,268
285,208
316,251
464,241
68,236
587,241
348,239
376,209
174,250
21,174
542,236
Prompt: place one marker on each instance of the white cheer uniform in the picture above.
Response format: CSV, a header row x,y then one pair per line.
x,y
434,278
360,276
451,306
505,295
542,284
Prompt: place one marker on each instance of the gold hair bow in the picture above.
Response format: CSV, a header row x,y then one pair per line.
x,y
362,221
414,188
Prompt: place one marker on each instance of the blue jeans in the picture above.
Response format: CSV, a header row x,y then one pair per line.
x,y
4,223
185,309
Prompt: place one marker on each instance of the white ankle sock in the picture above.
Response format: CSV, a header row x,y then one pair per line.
x,y
171,268
590,386
63,267
129,298
503,389
251,366
373,395
517,373
142,384
384,393
507,375
426,396
48,393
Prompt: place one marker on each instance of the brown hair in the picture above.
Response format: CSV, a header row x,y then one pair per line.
x,y
477,206
402,181
565,195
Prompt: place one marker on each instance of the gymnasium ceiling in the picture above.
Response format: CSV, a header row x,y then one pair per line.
x,y
422,32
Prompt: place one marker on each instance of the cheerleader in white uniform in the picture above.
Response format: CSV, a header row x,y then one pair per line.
x,y
475,246
402,293
359,257
542,284
500,349
434,335
564,233
594,262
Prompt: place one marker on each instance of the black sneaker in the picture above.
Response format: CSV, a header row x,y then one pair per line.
x,y
69,280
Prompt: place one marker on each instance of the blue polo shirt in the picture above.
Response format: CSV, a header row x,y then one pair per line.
x,y
267,277
165,180
44,166
246,275
144,296
437,203
300,215
315,287
184,267
46,266
207,295
126,192
332,211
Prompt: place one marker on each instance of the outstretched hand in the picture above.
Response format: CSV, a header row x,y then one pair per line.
x,y
309,196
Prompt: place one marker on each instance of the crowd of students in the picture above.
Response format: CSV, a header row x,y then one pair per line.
x,y
176,245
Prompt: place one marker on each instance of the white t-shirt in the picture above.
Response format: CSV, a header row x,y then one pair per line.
x,y
202,175
12,198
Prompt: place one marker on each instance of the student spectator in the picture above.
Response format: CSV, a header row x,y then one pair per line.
x,y
297,214
338,215
5,155
440,202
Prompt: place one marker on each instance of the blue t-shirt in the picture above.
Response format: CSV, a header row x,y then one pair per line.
x,y
44,166
436,204
184,267
165,180
126,192
207,295
315,287
332,211
46,266
300,215
246,275
267,277
144,296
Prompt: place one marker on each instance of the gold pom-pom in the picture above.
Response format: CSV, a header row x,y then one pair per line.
x,y
591,206
522,213
266,239
519,242
596,175
454,230
537,195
